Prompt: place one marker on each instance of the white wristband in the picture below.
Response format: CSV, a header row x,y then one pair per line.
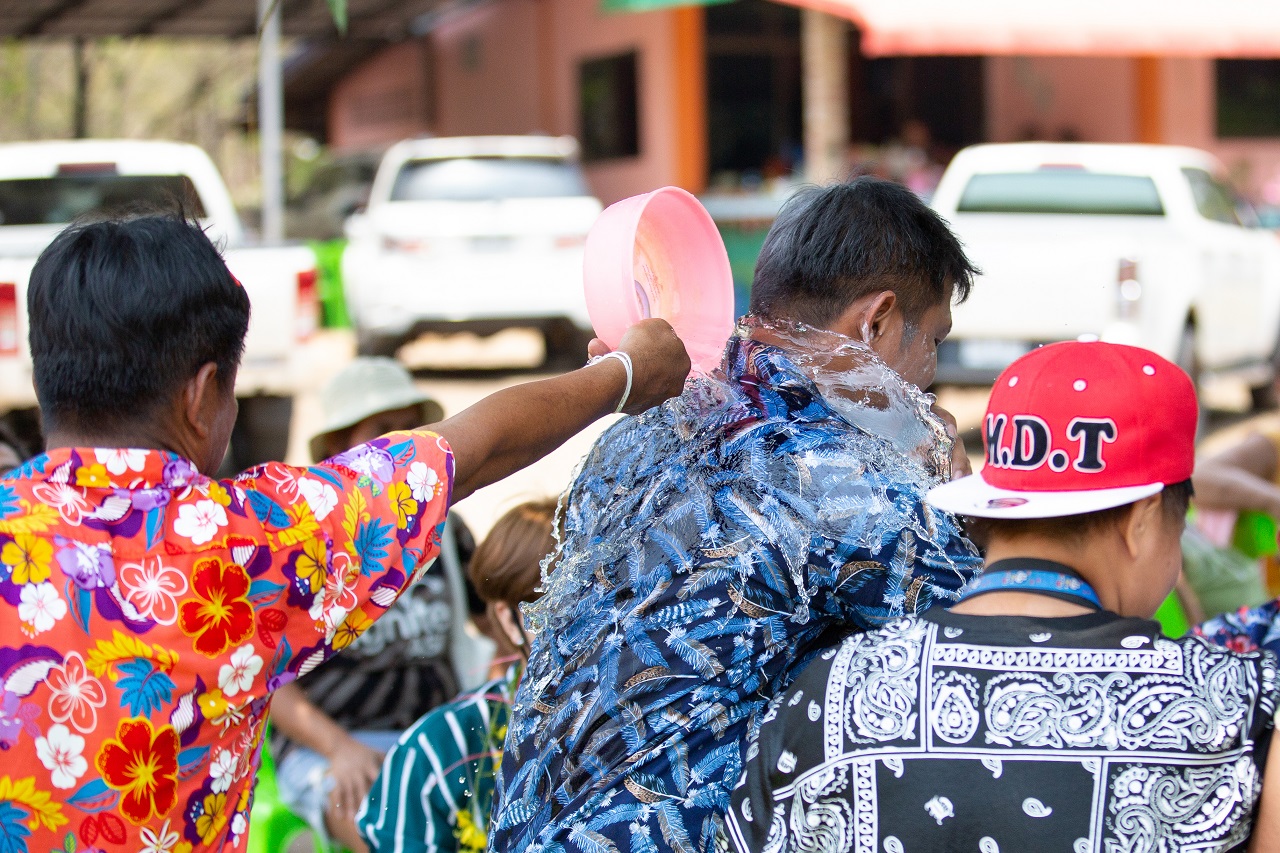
x,y
625,358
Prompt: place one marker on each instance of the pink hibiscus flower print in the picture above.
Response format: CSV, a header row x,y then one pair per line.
x,y
153,589
77,695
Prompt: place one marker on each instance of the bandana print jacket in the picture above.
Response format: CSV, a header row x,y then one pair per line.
x,y
147,611
709,548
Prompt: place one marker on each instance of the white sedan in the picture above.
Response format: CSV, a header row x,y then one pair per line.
x,y
472,233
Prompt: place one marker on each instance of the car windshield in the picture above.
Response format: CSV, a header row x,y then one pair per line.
x,y
64,198
486,178
1061,191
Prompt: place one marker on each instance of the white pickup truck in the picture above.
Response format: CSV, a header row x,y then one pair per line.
x,y
1138,244
46,185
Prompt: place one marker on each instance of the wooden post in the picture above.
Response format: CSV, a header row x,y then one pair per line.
x,y
1148,99
824,45
690,125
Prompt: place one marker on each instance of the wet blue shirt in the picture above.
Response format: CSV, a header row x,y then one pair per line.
x,y
711,547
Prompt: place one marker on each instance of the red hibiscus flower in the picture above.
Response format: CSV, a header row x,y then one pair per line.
x,y
141,763
218,615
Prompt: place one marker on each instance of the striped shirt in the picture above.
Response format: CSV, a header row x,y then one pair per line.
x,y
443,765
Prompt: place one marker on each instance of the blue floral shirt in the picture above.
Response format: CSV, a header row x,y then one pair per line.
x,y
711,547
1246,630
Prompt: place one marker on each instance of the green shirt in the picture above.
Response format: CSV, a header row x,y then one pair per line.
x,y
442,766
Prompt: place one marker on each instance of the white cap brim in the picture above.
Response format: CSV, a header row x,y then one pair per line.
x,y
974,496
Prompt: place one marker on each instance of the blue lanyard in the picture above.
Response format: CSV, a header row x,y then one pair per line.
x,y
1038,576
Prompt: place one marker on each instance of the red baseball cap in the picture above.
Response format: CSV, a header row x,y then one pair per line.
x,y
1078,427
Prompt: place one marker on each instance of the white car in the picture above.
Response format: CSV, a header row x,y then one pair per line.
x,y
471,233
46,185
1138,244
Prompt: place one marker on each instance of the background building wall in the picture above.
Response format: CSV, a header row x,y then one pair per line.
x,y
1052,97
1191,104
386,99
582,32
487,67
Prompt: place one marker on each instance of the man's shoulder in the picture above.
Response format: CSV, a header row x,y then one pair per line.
x,y
865,651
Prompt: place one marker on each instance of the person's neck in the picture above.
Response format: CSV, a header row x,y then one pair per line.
x,y
1020,603
137,436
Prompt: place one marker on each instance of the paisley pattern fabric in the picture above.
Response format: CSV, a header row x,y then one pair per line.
x,y
950,732
709,547
148,611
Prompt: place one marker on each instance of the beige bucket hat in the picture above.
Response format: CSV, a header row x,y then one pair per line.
x,y
365,387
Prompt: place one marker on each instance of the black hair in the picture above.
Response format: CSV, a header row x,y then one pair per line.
x,y
1174,500
832,245
123,312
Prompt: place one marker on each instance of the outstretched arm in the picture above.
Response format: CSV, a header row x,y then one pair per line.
x,y
1240,478
508,430
1265,837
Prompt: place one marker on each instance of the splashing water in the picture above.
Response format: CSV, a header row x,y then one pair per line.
x,y
897,431
710,547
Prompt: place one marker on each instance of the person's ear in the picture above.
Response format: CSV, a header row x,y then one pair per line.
x,y
200,400
884,311
868,318
1144,520
509,621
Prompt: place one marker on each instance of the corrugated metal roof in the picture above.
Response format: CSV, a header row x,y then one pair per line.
x,y
369,19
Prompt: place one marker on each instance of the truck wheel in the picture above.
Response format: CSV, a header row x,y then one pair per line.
x,y
1188,360
1262,398
1266,396
261,433
372,343
566,344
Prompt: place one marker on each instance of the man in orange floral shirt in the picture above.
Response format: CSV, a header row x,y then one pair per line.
x,y
148,611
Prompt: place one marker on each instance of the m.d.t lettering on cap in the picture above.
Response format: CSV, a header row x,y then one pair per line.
x,y
1078,427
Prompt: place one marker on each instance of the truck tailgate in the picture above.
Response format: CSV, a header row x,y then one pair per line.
x,y
270,276
1049,278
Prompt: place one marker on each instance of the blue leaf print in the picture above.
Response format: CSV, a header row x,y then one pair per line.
x,y
265,593
155,527
373,537
8,501
402,452
191,761
13,830
94,797
81,601
590,841
268,510
145,689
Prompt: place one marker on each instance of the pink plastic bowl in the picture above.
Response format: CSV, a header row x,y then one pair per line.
x,y
660,255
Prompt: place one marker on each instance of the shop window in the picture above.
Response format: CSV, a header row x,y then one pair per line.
x,y
754,116
1248,95
609,100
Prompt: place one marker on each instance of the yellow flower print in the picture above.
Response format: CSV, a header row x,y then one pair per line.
x,y
313,563
28,557
355,624
214,820
213,704
406,507
92,477
217,494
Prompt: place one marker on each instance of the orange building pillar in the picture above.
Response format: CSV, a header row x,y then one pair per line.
x,y
690,97
1148,80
